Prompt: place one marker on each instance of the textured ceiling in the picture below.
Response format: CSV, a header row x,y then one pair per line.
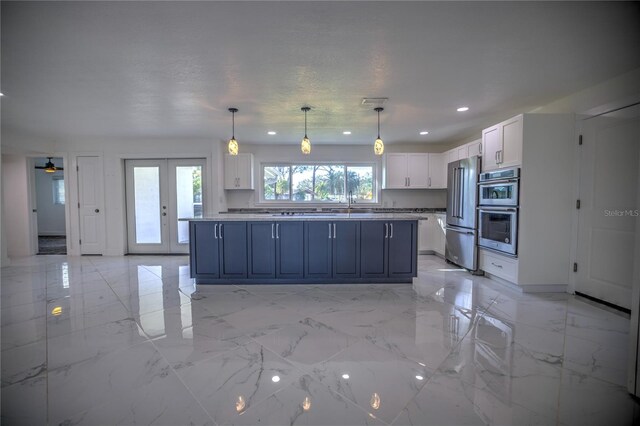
x,y
171,69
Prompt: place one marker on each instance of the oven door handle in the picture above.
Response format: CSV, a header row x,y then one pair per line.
x,y
498,181
497,209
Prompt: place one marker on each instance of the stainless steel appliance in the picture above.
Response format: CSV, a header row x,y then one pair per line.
x,y
498,229
498,212
499,188
462,198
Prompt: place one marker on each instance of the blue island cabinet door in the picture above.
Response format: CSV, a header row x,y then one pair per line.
x,y
204,250
233,249
346,249
373,250
262,243
317,241
402,249
289,250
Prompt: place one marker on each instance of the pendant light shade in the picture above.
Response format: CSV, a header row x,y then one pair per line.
x,y
305,146
233,143
378,145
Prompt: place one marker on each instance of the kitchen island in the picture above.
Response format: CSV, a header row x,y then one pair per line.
x,y
324,248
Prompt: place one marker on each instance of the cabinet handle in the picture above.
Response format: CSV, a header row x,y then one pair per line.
x,y
497,266
495,157
215,231
386,230
409,181
277,230
220,231
391,234
480,149
429,181
334,231
329,231
500,156
272,231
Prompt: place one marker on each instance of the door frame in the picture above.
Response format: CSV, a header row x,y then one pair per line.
x,y
207,193
32,199
575,222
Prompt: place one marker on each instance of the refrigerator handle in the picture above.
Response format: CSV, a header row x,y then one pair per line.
x,y
454,196
461,192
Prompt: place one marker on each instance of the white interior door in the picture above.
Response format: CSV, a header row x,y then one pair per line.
x,y
159,192
609,167
91,200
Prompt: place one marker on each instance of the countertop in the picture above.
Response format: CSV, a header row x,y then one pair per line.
x,y
269,217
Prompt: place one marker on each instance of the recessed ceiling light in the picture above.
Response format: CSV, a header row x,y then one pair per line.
x,y
346,132
345,376
275,379
420,377
1,94
463,109
271,132
424,132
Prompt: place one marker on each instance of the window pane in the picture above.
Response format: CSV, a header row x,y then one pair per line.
x,y
146,182
276,182
58,191
360,182
302,179
329,183
189,198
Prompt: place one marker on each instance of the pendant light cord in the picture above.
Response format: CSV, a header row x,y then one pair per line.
x,y
233,124
305,123
378,123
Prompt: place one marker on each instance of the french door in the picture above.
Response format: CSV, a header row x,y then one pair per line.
x,y
159,192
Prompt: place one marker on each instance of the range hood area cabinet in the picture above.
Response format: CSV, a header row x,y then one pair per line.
x,y
544,146
238,171
414,171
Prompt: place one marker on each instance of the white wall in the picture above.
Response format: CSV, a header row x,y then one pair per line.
x,y
51,217
16,206
414,198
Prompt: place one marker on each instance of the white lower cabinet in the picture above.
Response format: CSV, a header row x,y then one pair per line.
x,y
500,266
431,236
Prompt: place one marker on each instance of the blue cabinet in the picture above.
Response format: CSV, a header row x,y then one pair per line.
x,y
218,250
297,251
276,250
332,249
389,249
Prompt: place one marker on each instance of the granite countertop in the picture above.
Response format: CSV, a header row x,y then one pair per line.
x,y
267,217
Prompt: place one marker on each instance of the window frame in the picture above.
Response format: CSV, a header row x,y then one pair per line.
x,y
346,164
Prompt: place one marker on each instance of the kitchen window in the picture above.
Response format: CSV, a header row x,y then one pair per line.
x,y
318,183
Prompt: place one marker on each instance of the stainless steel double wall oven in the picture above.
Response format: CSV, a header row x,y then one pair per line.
x,y
498,200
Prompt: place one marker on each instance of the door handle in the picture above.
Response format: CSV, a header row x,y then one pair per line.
x,y
272,231
329,231
277,230
215,231
334,231
496,265
391,234
386,230
220,231
96,210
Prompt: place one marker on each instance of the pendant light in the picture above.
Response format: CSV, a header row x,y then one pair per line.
x,y
233,143
378,146
305,146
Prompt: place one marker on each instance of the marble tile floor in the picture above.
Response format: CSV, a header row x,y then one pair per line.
x,y
132,340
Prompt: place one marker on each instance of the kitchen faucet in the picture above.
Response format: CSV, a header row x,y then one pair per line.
x,y
350,201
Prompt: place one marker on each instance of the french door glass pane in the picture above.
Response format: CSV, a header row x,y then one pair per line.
x,y
189,197
146,181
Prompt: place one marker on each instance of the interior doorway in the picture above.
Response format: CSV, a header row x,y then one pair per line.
x,y
48,211
159,192
609,206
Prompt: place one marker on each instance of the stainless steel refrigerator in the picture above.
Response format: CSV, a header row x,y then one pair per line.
x,y
462,199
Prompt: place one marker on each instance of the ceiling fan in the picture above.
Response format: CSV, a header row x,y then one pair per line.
x,y
49,167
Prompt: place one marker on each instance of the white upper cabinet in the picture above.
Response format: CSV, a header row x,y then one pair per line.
x,y
418,170
414,171
438,171
474,148
452,155
463,152
238,171
502,144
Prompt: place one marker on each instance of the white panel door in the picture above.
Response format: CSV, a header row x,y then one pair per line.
x,y
609,167
91,205
159,192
